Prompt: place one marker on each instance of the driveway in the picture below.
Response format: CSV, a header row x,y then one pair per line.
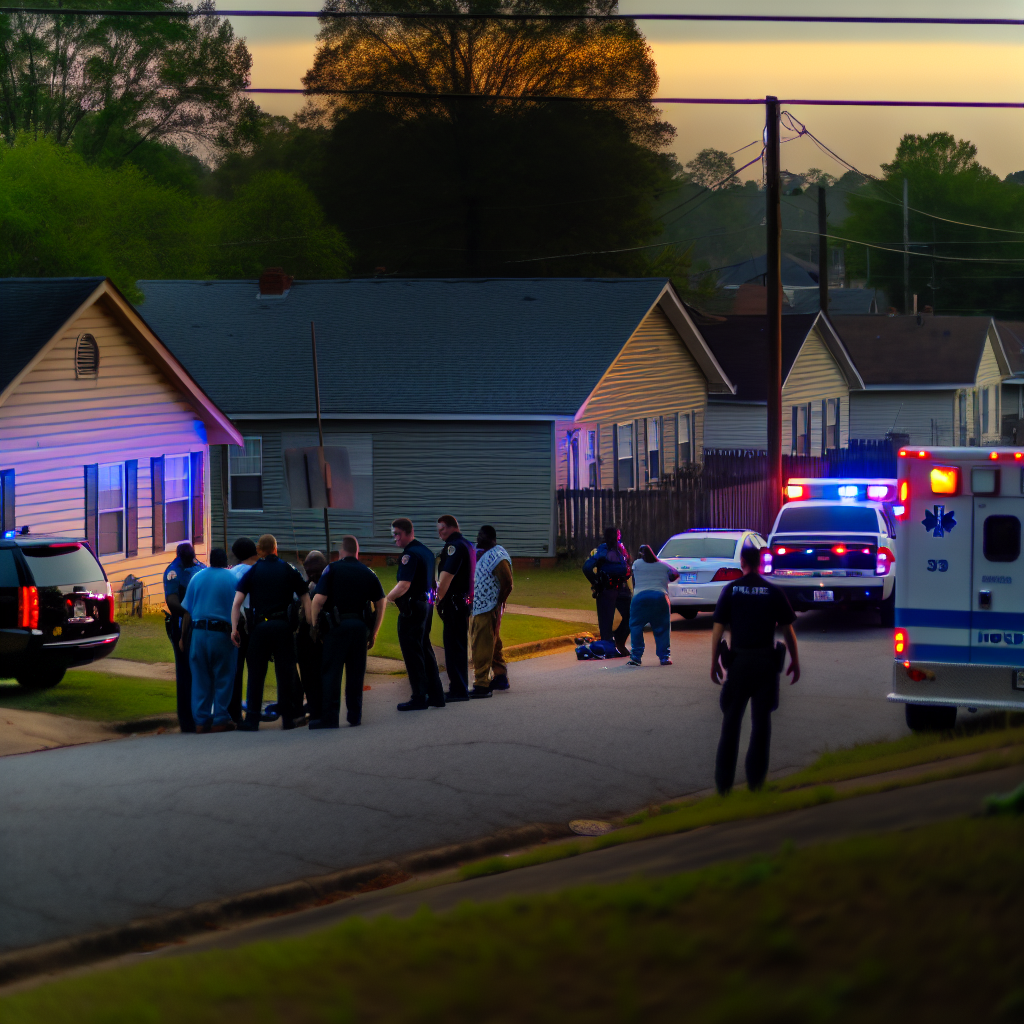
x,y
95,836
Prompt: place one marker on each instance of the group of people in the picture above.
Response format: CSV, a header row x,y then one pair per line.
x,y
318,627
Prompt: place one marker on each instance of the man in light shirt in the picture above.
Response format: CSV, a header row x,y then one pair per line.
x,y
492,584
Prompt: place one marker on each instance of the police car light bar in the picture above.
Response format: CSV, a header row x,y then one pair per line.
x,y
840,488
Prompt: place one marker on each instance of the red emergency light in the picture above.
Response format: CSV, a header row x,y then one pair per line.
x,y
884,559
794,492
899,641
993,455
839,549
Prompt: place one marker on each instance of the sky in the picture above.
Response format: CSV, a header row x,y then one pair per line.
x,y
789,61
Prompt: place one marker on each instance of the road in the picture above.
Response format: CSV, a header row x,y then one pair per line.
x,y
98,835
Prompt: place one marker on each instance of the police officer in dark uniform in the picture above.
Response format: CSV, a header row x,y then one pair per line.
x,y
344,594
608,569
244,550
751,607
176,577
271,585
413,594
454,602
309,642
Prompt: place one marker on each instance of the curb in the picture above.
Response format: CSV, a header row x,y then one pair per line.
x,y
139,936
552,643
145,724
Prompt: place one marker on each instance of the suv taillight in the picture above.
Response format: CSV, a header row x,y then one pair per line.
x,y
727,574
885,559
28,608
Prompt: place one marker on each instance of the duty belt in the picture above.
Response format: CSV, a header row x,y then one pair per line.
x,y
279,616
213,625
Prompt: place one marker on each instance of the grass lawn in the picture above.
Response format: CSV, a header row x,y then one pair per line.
x,y
917,926
92,695
144,639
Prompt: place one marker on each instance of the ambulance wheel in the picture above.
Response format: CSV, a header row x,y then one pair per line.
x,y
887,610
688,613
929,718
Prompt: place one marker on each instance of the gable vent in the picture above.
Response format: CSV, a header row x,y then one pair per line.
x,y
87,357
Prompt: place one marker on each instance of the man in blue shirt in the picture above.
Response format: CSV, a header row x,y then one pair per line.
x,y
211,654
176,579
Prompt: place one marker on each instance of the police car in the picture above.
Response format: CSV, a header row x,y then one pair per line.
x,y
833,543
959,637
706,560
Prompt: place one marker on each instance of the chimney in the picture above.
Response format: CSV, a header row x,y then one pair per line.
x,y
274,281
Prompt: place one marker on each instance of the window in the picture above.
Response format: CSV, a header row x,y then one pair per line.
x,y
1002,538
245,469
110,507
62,564
685,448
624,455
87,357
6,500
984,410
699,547
653,450
832,423
801,430
176,499
591,458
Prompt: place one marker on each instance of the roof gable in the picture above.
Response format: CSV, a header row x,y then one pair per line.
x,y
1011,338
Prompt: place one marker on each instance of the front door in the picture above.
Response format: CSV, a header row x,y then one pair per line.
x,y
997,594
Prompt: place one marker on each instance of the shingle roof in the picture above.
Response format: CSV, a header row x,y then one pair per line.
x,y
740,344
1011,333
462,346
936,351
34,310
861,301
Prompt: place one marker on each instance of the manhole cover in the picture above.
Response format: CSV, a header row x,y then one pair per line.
x,y
588,827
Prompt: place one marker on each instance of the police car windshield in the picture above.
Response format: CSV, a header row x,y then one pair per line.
x,y
828,518
62,564
699,547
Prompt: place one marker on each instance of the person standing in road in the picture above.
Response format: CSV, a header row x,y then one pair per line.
x,y
413,595
454,600
176,580
650,604
752,608
211,655
244,550
309,642
344,594
608,570
492,584
272,585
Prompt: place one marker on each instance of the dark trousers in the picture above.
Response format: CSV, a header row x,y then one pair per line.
x,y
456,648
182,684
273,637
344,648
311,659
752,678
608,601
235,705
420,663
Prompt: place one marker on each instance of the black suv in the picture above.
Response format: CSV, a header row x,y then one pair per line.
x,y
56,609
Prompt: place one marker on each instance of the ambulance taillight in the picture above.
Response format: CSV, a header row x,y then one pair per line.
x,y
899,641
902,510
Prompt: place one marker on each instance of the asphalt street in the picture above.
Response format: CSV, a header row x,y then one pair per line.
x,y
98,835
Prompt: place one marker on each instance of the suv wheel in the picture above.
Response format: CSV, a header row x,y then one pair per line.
x,y
930,718
42,679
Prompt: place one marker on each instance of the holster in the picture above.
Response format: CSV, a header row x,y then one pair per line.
x,y
725,654
169,625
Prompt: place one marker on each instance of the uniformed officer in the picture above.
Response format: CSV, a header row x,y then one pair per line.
x,y
309,643
271,585
608,569
176,577
751,607
454,601
244,550
413,594
346,590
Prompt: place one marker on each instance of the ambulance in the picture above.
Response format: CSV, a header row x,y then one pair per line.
x,y
959,635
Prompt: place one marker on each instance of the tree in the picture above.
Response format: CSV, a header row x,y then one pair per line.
x,y
713,168
816,176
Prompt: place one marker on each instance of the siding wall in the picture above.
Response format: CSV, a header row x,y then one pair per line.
x,y
732,425
990,377
53,425
480,472
814,377
653,376
873,413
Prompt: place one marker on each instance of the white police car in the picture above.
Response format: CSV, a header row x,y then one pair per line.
x,y
706,560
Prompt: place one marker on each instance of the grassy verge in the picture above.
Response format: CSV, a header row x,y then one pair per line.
x,y
144,639
805,936
95,696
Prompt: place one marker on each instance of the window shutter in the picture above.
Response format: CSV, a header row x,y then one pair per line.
x,y
824,427
131,486
615,456
198,496
92,518
6,500
839,436
156,473
793,441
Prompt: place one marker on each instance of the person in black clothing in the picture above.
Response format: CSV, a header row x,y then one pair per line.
x,y
751,607
345,591
244,550
454,601
309,643
608,570
413,595
271,585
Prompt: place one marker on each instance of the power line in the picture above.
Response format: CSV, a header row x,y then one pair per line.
x,y
925,255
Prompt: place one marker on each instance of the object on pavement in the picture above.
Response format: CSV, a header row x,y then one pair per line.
x,y
591,827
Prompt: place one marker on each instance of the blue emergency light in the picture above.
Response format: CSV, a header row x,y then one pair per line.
x,y
833,489
10,533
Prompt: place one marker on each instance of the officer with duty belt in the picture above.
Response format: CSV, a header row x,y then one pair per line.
x,y
176,577
344,594
751,607
309,641
271,585
454,601
413,594
608,570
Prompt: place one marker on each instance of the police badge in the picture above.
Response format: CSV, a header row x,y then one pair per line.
x,y
451,549
405,559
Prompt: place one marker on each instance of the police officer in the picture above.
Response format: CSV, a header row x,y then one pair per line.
x,y
608,569
176,577
346,590
309,642
413,594
271,585
454,600
244,550
751,607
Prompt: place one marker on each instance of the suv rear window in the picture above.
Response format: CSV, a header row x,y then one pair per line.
x,y
828,518
62,565
699,547
8,569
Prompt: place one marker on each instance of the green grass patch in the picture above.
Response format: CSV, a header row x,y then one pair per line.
x,y
95,696
919,925
144,639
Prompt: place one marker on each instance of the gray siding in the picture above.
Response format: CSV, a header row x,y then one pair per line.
x,y
732,425
927,416
480,472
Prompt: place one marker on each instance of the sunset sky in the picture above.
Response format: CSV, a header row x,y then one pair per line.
x,y
809,61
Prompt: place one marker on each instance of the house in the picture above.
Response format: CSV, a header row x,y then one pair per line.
x,y
1011,403
103,434
448,396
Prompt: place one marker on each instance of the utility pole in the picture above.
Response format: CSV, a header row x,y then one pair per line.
x,y
906,247
325,471
822,252
773,280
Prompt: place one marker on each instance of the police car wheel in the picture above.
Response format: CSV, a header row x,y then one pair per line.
x,y
688,613
929,718
42,679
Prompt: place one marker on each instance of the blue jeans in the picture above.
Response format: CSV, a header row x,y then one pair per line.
x,y
212,657
650,606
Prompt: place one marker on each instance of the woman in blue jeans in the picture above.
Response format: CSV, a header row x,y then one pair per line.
x,y
651,578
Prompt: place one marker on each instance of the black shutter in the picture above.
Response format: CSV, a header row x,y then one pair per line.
x,y
794,443
92,518
6,500
615,456
839,405
131,484
198,497
156,474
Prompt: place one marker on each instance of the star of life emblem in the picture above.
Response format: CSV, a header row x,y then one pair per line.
x,y
939,522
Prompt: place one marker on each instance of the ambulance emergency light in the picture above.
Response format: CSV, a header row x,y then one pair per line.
x,y
945,479
840,489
